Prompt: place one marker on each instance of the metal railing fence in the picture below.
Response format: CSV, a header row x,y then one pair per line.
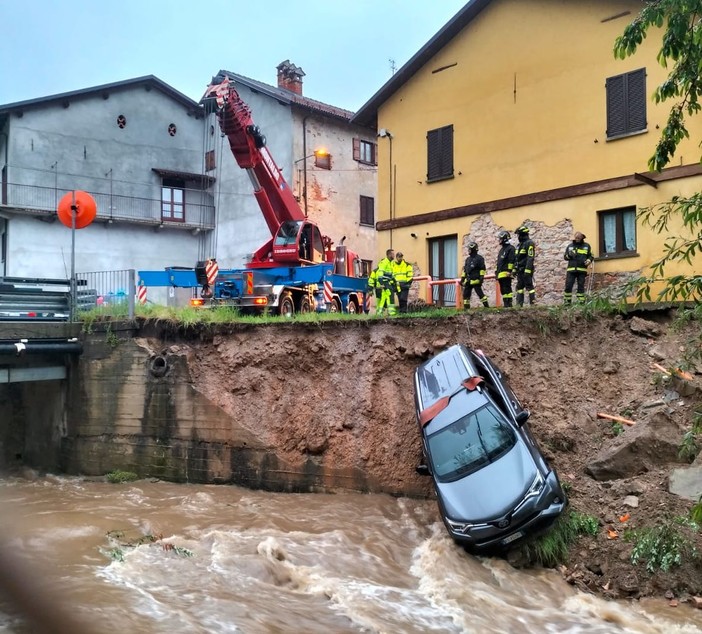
x,y
112,292
199,211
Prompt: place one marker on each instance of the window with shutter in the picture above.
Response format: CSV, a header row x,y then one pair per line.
x,y
440,153
364,152
626,103
617,231
367,210
210,161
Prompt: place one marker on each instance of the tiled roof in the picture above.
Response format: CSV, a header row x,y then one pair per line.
x,y
287,97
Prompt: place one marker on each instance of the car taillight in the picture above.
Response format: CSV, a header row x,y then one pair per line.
x,y
197,302
260,301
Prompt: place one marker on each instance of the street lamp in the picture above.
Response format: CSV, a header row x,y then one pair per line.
x,y
320,152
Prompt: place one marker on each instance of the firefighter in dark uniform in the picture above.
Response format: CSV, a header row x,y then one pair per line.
x,y
579,256
473,276
505,268
525,266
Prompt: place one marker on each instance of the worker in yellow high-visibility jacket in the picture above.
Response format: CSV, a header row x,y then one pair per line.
x,y
388,285
403,273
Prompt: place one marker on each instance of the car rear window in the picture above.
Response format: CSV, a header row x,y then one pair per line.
x,y
470,443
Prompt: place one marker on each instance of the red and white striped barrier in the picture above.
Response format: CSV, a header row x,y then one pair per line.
x,y
141,293
328,293
211,270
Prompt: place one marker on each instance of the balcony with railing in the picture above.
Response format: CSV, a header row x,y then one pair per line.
x,y
198,212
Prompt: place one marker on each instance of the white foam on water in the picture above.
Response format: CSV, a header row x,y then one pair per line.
x,y
627,618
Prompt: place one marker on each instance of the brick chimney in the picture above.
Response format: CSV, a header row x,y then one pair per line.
x,y
290,77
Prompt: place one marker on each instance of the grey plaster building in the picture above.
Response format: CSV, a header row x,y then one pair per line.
x,y
168,190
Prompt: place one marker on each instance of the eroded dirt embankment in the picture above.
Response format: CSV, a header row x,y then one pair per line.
x,y
342,392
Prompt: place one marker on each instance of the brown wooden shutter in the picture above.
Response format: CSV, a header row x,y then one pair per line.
x,y
210,160
616,106
433,154
375,153
636,100
367,208
357,149
440,153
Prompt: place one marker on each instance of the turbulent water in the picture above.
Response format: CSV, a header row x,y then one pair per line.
x,y
226,559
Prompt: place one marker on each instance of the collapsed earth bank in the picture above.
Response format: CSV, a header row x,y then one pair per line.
x,y
340,394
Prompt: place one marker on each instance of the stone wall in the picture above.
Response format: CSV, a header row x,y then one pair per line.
x,y
549,266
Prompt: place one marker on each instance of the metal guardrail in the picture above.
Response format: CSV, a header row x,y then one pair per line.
x,y
34,299
37,299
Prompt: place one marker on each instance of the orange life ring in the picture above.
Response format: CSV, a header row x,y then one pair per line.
x,y
86,209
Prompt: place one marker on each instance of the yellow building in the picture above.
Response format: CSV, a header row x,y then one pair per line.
x,y
516,112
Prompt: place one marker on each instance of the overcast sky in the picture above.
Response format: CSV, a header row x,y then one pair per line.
x,y
343,46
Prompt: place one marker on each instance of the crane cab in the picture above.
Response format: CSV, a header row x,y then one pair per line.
x,y
298,241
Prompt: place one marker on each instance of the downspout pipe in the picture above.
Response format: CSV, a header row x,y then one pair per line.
x,y
304,161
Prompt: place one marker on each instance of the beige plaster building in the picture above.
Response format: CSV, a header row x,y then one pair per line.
x,y
515,112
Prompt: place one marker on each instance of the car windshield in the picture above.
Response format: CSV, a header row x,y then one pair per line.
x,y
470,443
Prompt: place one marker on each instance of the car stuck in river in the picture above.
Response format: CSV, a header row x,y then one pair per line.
x,y
494,487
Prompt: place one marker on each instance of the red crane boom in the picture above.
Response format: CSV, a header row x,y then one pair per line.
x,y
294,239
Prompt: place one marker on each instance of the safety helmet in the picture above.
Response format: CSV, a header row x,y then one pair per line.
x,y
579,236
503,236
472,246
521,230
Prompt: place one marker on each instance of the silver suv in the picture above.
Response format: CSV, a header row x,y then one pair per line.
x,y
493,485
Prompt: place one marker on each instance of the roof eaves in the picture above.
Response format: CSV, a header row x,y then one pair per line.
x,y
103,88
367,114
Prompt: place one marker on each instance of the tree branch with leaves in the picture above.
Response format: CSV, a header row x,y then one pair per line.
x,y
681,51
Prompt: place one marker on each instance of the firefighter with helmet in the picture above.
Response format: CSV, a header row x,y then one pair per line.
x,y
505,267
579,256
473,275
526,250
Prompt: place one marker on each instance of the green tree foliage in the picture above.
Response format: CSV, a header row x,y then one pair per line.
x,y
681,53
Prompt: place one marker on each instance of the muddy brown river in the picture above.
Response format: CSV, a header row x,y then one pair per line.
x,y
75,559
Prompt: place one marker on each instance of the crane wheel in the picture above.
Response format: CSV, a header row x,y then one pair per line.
x,y
287,305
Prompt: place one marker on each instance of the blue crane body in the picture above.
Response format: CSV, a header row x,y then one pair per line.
x,y
297,269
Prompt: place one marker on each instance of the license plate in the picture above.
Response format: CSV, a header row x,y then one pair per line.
x,y
513,537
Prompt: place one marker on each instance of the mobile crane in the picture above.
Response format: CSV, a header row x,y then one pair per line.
x,y
297,269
